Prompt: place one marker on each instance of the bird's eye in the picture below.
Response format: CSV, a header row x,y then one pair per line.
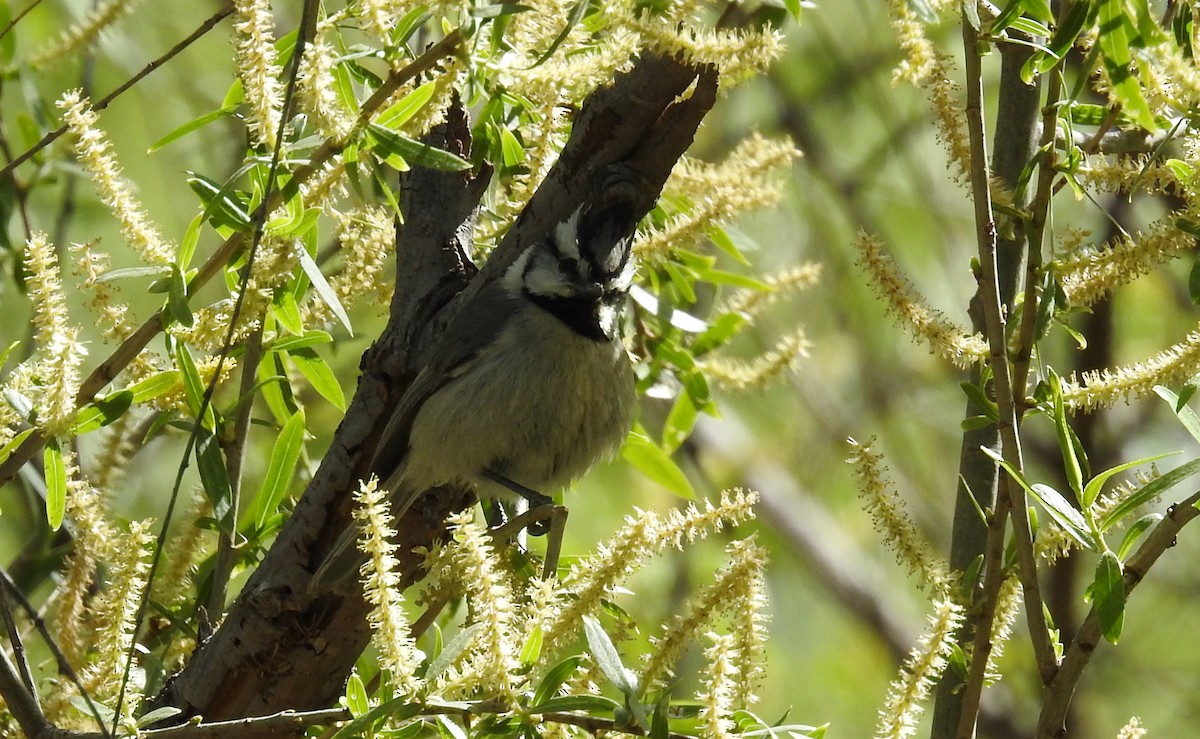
x,y
569,265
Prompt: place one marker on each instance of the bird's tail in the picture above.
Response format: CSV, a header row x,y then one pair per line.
x,y
340,571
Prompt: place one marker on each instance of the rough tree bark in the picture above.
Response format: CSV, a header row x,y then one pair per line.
x,y
281,648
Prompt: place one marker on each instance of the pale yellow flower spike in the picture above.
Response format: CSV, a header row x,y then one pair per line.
x,y
95,542
258,67
739,589
944,338
748,179
1173,366
765,368
80,35
899,533
907,693
788,280
1090,275
95,154
116,613
493,660
720,682
59,351
112,315
381,587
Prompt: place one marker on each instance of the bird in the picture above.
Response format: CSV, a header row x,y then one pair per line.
x,y
529,386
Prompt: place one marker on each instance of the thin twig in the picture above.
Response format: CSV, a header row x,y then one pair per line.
x,y
103,103
1011,498
1056,697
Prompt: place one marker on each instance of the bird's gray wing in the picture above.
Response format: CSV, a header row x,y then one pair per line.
x,y
469,333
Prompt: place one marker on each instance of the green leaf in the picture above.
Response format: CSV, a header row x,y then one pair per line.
x,y
221,206
193,386
398,710
1068,444
317,372
102,411
1149,492
1115,38
396,115
323,288
1186,416
154,385
574,16
356,696
156,271
214,476
1108,596
555,677
511,151
308,338
1064,514
55,470
158,714
1060,43
532,648
591,704
649,459
1060,509
679,423
286,311
1095,485
177,298
192,125
280,468
13,444
389,143
1135,531
608,659
453,649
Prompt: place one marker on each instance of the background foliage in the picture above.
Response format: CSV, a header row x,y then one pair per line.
x,y
844,615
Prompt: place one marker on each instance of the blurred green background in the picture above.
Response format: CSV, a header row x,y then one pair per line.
x,y
843,613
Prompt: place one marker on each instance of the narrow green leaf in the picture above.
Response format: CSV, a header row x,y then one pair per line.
x,y
453,649
1064,514
1186,416
511,151
215,478
1108,596
591,704
398,710
532,648
124,273
1066,438
13,444
317,372
192,125
649,459
308,338
154,385
412,151
323,288
158,714
193,386
220,204
102,411
1059,508
280,468
1096,484
1135,531
574,16
1149,492
55,470
177,298
607,658
286,311
555,677
679,423
396,115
